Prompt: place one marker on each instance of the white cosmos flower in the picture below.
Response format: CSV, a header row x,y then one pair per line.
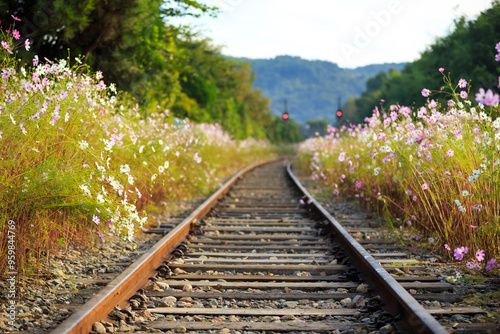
x,y
83,144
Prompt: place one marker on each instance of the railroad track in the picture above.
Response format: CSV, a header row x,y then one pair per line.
x,y
252,259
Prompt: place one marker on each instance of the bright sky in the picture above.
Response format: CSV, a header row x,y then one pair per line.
x,y
350,33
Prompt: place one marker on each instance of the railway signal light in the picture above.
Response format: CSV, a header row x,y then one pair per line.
x,y
285,111
339,111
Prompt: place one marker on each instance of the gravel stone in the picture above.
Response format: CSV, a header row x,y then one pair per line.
x,y
99,328
362,288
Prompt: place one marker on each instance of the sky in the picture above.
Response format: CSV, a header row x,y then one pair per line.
x,y
351,33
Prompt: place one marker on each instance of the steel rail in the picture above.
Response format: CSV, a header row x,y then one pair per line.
x,y
137,275
415,318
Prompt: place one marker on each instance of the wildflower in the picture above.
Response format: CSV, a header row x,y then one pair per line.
x,y
425,92
417,238
462,83
496,123
463,94
449,153
465,193
358,184
6,46
85,165
55,119
408,192
432,104
472,227
462,209
497,46
472,266
424,186
100,198
408,222
85,189
83,144
27,44
376,170
447,247
441,69
16,18
16,34
451,103
460,252
161,169
131,180
490,264
154,177
342,156
95,219
457,202
487,98
124,169
480,255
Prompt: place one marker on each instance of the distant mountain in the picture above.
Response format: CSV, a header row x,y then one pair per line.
x,y
312,87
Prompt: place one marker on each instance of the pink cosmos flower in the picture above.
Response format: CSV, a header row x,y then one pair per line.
x,y
358,184
490,264
424,186
462,83
463,94
27,44
96,220
16,34
472,227
441,69
425,92
496,46
6,45
480,255
447,247
16,18
472,265
449,153
460,252
487,98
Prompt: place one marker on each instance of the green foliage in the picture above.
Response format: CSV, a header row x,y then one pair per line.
x,y
468,52
157,64
76,161
311,87
317,126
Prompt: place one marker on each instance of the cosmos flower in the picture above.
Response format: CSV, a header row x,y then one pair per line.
x,y
487,98
460,252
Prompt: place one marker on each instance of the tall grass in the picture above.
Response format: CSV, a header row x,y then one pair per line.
x,y
78,162
435,170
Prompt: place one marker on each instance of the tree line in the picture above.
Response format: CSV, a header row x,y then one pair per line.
x,y
468,52
153,62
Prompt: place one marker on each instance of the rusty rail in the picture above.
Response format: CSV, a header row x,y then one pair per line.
x,y
137,275
415,318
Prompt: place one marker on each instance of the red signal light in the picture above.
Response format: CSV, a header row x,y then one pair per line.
x,y
339,113
285,116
